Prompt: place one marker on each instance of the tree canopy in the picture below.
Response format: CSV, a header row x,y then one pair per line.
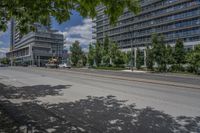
x,y
76,53
179,53
193,58
91,55
5,61
28,12
149,59
159,51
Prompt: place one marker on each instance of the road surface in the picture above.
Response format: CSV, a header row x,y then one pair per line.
x,y
48,100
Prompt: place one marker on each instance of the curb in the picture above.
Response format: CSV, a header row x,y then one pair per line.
x,y
130,79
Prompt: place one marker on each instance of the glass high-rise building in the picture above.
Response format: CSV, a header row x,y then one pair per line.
x,y
174,19
35,48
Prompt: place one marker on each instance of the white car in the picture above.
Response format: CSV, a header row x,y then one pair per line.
x,y
64,65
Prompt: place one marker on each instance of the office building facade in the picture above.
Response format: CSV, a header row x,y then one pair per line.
x,y
174,19
35,48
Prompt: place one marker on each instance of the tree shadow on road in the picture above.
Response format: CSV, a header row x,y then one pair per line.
x,y
93,114
13,116
99,115
31,92
109,115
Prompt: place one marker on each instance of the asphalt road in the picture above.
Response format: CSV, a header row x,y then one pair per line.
x,y
47,100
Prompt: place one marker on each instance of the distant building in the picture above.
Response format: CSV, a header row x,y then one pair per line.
x,y
35,48
2,54
173,19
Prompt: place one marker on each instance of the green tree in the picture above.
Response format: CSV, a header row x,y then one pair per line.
x,y
139,59
179,52
159,51
106,51
113,52
27,12
106,60
149,59
118,57
106,45
125,58
98,53
169,55
5,61
84,59
91,55
193,58
156,48
163,61
128,58
76,53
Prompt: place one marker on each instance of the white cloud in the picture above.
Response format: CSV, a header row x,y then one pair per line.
x,y
81,33
86,50
3,52
2,48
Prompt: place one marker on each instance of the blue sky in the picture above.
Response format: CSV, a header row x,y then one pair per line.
x,y
77,28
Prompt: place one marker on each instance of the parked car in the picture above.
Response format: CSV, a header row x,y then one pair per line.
x,y
24,64
51,65
64,65
2,65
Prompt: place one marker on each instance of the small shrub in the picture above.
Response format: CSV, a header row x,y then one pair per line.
x,y
177,68
190,69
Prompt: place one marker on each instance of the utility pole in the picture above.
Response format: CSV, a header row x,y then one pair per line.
x,y
145,57
135,55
